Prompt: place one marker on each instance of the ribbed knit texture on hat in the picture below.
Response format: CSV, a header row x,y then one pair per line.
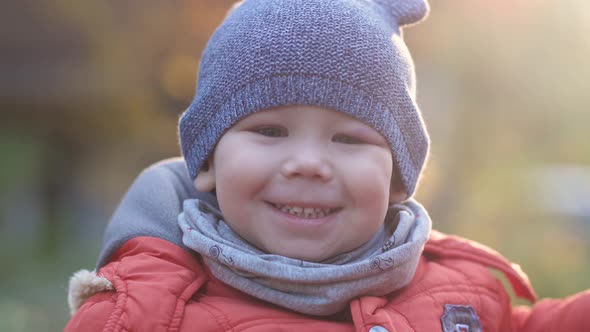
x,y
346,55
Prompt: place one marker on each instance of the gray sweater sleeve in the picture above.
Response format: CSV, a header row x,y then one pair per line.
x,y
151,207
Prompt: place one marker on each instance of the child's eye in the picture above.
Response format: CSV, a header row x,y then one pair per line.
x,y
345,139
271,131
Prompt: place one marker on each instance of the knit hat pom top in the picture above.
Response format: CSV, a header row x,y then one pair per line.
x,y
405,12
345,55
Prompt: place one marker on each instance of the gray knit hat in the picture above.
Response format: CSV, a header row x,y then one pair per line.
x,y
346,55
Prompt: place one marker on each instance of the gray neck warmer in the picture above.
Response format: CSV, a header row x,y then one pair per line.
x,y
384,264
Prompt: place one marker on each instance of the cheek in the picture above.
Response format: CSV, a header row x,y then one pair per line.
x,y
239,169
373,194
370,192
370,181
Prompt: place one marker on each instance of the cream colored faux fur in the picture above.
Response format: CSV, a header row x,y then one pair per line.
x,y
84,284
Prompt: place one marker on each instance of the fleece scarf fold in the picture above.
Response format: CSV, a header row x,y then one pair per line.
x,y
384,264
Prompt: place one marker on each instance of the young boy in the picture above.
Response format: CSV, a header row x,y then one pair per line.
x,y
292,209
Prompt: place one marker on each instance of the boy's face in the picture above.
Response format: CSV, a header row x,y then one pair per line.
x,y
302,182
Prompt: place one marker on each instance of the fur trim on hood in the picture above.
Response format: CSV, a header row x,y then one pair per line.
x,y
84,284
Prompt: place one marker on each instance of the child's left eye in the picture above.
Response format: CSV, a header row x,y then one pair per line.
x,y
345,139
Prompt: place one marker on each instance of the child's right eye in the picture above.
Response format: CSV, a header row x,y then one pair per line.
x,y
271,131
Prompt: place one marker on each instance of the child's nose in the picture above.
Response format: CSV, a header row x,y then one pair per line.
x,y
307,163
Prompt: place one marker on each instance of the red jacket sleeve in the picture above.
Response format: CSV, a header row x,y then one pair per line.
x,y
151,280
569,314
93,314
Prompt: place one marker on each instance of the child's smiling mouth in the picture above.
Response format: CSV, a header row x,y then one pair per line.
x,y
305,211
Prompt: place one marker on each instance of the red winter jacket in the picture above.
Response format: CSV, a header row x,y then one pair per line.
x,y
154,285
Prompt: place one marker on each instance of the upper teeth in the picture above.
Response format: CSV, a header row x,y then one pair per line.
x,y
306,212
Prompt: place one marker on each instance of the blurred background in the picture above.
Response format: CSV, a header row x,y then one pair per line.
x,y
90,94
